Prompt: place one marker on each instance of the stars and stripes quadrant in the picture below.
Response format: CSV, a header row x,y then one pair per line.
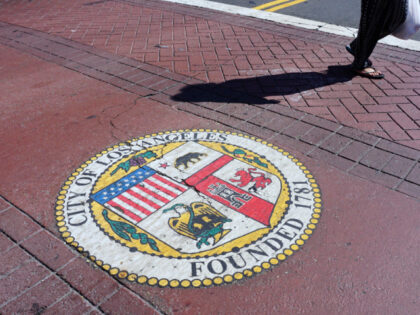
x,y
139,194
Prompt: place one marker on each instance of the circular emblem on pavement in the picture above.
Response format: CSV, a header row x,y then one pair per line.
x,y
189,208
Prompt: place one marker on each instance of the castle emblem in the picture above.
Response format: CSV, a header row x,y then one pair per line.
x,y
229,194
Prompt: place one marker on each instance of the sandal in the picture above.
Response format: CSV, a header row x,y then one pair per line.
x,y
370,73
367,64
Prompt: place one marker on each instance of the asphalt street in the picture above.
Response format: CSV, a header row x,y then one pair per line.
x,y
337,12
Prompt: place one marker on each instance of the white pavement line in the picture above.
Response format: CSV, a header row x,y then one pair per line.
x,y
295,21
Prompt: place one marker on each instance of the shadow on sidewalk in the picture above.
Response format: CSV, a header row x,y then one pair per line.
x,y
254,90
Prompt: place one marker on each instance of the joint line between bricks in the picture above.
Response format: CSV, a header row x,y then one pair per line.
x,y
385,164
363,155
11,247
60,299
270,121
18,243
67,263
256,115
317,145
296,120
344,147
5,209
27,289
300,119
30,236
22,264
299,138
106,298
404,178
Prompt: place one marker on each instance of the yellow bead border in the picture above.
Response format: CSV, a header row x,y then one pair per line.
x,y
195,283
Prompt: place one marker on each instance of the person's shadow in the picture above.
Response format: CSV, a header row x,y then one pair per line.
x,y
254,90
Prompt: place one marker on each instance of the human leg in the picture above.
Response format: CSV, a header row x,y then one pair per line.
x,y
368,34
379,18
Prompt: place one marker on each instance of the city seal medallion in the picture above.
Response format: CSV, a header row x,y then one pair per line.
x,y
189,208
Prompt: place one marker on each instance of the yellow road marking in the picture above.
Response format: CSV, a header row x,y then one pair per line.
x,y
279,7
269,4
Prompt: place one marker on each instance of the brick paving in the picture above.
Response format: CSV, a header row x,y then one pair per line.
x,y
225,48
288,86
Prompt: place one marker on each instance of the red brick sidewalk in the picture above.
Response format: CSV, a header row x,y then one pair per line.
x,y
81,76
219,48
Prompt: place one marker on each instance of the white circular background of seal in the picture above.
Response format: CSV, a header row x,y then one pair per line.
x,y
189,208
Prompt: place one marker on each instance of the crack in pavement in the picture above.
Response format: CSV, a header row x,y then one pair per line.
x,y
105,119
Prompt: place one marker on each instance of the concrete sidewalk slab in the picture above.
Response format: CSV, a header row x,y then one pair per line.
x,y
68,100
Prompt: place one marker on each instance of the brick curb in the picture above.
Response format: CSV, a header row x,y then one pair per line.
x,y
355,152
27,247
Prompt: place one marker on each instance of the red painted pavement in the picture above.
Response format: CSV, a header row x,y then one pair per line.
x,y
363,256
